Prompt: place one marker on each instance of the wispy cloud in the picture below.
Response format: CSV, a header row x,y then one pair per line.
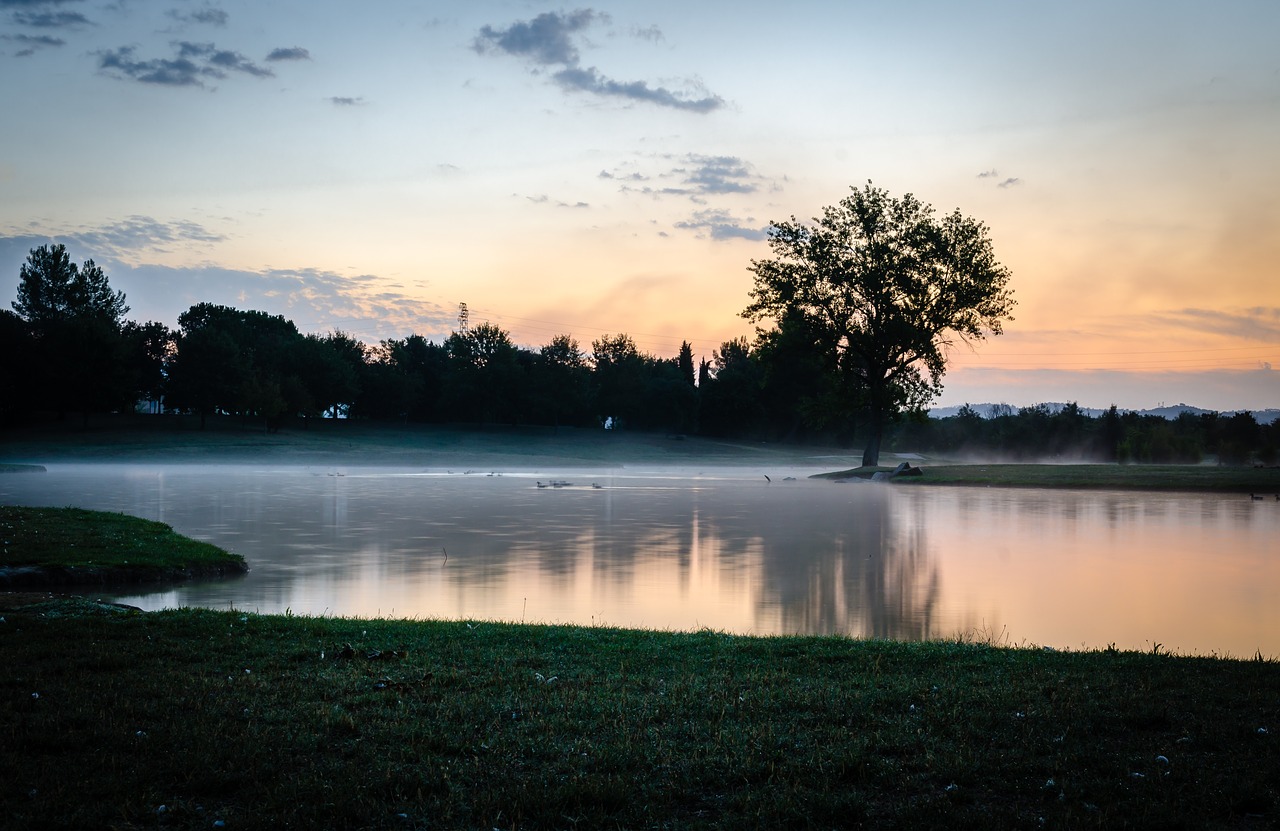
x,y
207,16
623,177
128,238
548,43
191,65
692,175
543,199
316,299
291,53
721,225
30,43
649,33
346,101
50,19
1258,323
1007,182
720,174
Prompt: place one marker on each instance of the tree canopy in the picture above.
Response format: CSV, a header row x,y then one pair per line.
x,y
51,290
886,286
74,337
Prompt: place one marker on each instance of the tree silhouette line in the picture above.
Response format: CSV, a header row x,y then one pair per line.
x,y
71,351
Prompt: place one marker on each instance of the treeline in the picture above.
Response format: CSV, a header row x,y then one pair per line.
x,y
70,350
1039,433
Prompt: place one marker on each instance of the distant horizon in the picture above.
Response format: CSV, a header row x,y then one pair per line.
x,y
985,409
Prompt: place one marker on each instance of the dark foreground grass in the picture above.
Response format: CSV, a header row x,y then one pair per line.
x,y
70,545
186,719
1201,478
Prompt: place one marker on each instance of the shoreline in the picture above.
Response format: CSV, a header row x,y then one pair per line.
x,y
360,444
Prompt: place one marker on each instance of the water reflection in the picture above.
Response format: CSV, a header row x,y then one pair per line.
x,y
722,549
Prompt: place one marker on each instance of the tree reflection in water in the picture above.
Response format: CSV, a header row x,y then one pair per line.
x,y
722,549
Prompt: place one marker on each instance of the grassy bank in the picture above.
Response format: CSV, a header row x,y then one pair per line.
x,y
183,719
178,439
42,546
1203,478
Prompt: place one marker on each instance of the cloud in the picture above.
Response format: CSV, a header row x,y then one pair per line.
x,y
31,43
547,42
1010,182
315,299
628,177
291,53
175,72
192,65
697,175
1258,323
206,16
27,4
543,199
345,101
720,174
720,225
649,33
51,20
590,80
988,174
125,240
223,59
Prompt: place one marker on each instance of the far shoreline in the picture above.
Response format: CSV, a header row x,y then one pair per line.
x,y
178,440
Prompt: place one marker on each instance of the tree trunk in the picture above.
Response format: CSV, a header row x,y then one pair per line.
x,y
875,425
871,456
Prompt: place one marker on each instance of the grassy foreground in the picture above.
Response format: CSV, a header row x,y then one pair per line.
x,y
185,719
1202,478
42,546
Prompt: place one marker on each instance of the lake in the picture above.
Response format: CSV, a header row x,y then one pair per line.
x,y
720,548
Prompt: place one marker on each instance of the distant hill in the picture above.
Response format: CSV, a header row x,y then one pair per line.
x,y
1170,412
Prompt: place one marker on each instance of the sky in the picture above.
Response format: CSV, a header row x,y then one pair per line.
x,y
613,167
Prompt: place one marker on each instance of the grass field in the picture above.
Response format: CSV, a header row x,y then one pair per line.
x,y
186,718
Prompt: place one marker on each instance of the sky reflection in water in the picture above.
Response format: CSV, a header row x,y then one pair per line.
x,y
724,549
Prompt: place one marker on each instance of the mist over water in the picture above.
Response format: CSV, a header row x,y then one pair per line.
x,y
720,548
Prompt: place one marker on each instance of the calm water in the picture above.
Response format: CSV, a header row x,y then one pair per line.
x,y
724,549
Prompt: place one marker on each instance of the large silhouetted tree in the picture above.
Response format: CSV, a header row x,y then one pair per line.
x,y
235,361
888,286
75,319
